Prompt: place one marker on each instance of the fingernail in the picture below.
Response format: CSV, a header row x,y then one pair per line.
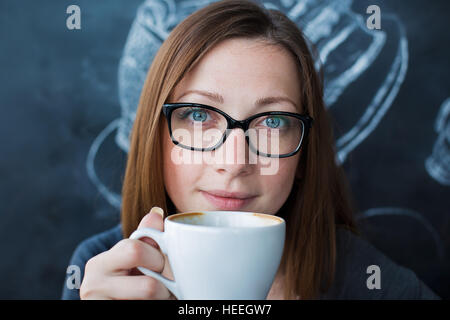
x,y
158,210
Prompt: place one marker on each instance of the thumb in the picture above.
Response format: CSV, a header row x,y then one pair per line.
x,y
155,220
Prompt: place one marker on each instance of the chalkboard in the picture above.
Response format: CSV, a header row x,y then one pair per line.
x,y
69,95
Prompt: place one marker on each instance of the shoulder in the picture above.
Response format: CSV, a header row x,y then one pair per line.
x,y
363,272
100,242
87,249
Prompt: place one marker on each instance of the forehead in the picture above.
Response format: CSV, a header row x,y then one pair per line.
x,y
243,70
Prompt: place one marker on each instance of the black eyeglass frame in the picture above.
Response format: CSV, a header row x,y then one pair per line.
x,y
168,108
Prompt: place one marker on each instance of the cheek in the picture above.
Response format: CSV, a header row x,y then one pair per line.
x,y
277,187
172,172
178,176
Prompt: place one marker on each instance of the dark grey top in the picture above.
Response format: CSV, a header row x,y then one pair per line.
x,y
352,278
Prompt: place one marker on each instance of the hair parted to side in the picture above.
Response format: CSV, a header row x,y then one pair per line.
x,y
319,201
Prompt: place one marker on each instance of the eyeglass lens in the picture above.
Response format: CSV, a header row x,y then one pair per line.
x,y
203,128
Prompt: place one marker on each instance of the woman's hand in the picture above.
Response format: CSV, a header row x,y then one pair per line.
x,y
113,274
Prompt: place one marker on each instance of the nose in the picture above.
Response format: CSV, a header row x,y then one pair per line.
x,y
231,156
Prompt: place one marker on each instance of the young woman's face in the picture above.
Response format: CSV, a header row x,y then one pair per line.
x,y
241,71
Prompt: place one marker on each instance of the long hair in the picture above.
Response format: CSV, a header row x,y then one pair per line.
x,y
319,201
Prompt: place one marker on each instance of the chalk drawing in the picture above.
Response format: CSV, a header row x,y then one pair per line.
x,y
331,26
438,163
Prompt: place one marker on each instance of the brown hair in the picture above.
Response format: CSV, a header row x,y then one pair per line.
x,y
319,200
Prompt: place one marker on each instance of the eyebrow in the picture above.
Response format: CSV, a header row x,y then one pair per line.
x,y
215,97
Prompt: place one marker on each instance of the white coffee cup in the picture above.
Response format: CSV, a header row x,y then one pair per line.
x,y
219,255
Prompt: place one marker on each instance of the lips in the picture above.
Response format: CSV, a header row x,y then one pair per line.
x,y
225,200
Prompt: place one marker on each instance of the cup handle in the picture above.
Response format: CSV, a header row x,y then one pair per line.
x,y
159,237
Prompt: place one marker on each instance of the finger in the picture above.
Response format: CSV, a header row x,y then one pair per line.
x,y
167,272
127,288
154,219
136,288
128,254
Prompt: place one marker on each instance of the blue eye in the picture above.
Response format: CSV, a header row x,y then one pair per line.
x,y
275,122
198,115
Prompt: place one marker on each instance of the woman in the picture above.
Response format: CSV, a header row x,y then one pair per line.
x,y
236,60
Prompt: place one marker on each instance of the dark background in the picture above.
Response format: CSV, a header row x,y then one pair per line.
x,y
59,91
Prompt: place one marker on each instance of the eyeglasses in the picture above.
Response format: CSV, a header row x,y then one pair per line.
x,y
199,127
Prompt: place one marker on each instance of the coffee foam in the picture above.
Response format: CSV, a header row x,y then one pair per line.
x,y
226,219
